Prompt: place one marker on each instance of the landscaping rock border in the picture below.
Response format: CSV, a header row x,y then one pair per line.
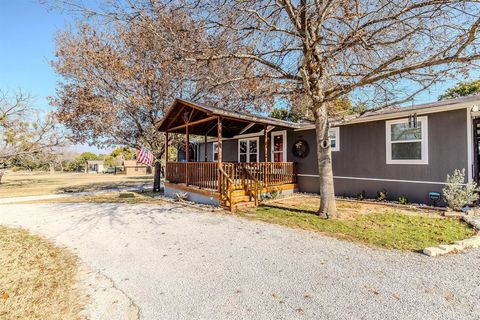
x,y
190,204
394,204
458,246
474,221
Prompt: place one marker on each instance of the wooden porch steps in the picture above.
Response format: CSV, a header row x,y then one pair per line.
x,y
244,198
238,192
243,205
225,182
241,200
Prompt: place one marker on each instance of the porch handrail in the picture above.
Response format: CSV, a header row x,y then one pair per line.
x,y
200,174
206,174
273,173
226,188
251,184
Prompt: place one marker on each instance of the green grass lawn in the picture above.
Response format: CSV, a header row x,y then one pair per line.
x,y
390,230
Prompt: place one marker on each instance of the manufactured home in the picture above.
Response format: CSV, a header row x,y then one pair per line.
x,y
404,151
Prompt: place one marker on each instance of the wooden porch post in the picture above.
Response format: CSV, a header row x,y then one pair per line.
x,y
205,146
265,147
187,155
166,147
265,156
219,141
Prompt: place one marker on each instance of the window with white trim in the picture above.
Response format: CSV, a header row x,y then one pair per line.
x,y
248,150
334,136
407,142
215,151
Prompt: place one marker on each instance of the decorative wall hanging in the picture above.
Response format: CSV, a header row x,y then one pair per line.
x,y
300,148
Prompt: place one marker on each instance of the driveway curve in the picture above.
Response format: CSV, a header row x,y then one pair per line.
x,y
179,263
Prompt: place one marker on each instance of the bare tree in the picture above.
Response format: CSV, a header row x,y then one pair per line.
x,y
378,51
24,136
122,67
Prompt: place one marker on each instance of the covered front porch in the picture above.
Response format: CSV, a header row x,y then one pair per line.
x,y
226,183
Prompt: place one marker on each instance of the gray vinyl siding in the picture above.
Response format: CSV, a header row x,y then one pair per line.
x,y
362,154
230,148
230,151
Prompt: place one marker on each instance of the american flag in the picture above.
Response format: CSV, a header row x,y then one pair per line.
x,y
144,156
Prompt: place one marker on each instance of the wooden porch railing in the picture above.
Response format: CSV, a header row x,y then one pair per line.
x,y
234,172
226,188
200,174
205,174
251,184
272,173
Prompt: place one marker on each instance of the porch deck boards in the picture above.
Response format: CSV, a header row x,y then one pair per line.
x,y
194,119
205,174
222,180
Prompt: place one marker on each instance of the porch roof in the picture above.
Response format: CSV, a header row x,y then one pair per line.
x,y
202,120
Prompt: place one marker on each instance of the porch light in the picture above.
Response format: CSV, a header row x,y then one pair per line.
x,y
412,120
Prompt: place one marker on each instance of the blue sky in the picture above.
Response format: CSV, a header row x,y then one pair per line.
x,y
27,29
26,34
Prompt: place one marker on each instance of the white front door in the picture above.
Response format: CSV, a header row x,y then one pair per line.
x,y
279,146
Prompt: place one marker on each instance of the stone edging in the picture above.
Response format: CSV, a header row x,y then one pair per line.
x,y
190,204
458,246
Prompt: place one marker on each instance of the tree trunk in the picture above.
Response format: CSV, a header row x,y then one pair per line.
x,y
156,176
157,166
328,207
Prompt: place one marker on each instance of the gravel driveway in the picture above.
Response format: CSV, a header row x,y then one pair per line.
x,y
176,263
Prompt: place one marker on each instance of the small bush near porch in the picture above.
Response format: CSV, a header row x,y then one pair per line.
x,y
371,224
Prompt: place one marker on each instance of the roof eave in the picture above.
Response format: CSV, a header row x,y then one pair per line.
x,y
419,109
228,114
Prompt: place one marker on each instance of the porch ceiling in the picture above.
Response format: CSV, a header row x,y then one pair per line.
x,y
203,120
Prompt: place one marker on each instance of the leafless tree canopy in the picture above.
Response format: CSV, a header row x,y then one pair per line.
x,y
332,48
23,134
124,68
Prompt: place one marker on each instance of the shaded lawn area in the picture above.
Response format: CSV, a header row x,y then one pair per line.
x,y
21,184
380,225
111,197
37,278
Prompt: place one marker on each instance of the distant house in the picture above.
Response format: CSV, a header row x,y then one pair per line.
x,y
134,168
403,151
94,166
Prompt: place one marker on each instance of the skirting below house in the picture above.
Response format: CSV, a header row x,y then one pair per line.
x,y
211,197
415,191
193,194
